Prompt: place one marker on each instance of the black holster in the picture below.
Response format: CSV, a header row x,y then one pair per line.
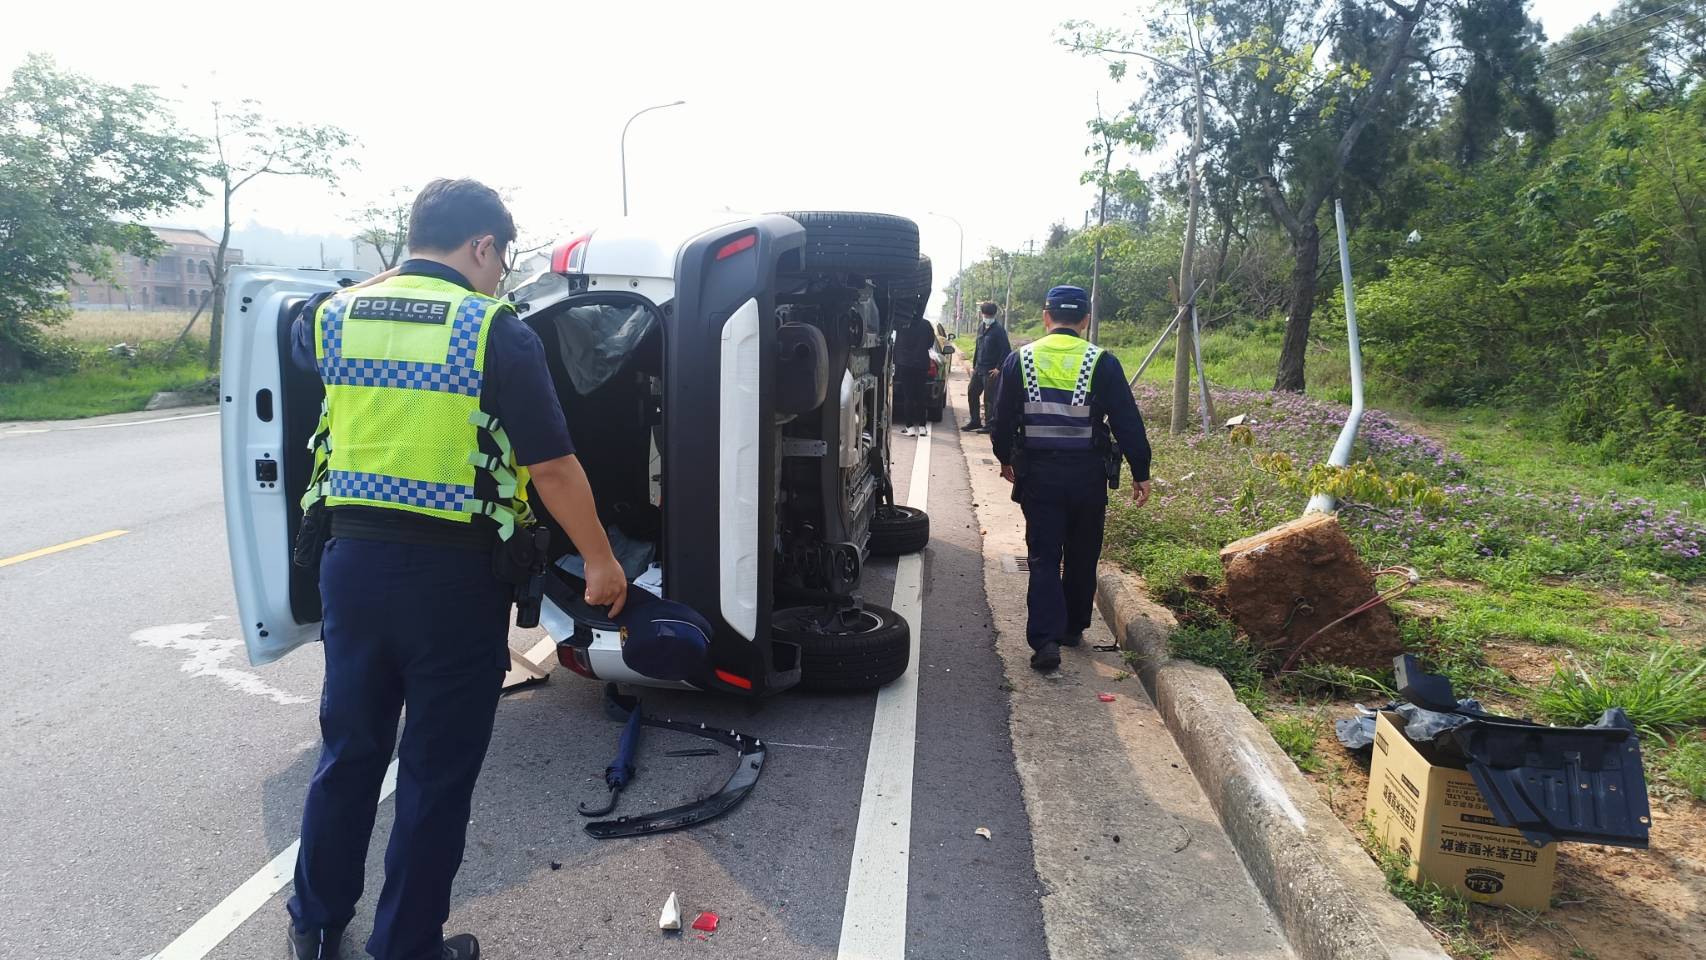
x,y
1021,466
311,535
520,561
1111,463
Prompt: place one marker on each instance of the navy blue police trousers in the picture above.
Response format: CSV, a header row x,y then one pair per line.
x,y
1065,499
406,626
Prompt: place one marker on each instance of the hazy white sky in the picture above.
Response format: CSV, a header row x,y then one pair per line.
x,y
907,108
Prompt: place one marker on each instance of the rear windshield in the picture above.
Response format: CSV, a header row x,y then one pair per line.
x,y
596,338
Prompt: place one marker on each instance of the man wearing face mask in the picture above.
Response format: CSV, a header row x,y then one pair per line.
x,y
439,414
992,350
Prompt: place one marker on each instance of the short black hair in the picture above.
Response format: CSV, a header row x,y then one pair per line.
x,y
449,213
987,308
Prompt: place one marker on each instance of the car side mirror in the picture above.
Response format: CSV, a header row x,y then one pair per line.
x,y
952,336
948,349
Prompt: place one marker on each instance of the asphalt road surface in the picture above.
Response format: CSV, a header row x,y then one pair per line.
x,y
150,773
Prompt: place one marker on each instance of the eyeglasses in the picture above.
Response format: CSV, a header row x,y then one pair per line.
x,y
498,252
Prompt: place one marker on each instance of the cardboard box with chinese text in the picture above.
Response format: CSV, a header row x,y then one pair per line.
x,y
1430,811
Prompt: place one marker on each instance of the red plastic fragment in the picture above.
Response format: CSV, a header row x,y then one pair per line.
x,y
1105,697
706,921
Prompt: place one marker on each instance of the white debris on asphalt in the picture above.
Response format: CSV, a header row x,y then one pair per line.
x,y
671,918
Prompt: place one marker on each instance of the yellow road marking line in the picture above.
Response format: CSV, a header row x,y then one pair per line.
x,y
45,551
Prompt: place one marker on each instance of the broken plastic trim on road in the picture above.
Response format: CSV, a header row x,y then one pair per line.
x,y
749,758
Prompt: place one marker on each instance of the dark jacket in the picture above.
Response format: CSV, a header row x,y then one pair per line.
x,y
1109,393
992,348
912,345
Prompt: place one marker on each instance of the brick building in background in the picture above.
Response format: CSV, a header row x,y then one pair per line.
x,y
176,280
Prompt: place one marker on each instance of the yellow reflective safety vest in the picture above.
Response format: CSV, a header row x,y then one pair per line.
x,y
1057,371
404,362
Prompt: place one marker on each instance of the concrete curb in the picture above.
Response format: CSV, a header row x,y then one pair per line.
x,y
1329,896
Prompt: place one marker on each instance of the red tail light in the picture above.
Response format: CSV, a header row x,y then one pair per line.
x,y
569,257
934,368
737,245
733,680
575,659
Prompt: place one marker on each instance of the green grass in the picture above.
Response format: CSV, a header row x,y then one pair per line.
x,y
100,385
1519,446
1438,907
1683,764
1296,735
1662,692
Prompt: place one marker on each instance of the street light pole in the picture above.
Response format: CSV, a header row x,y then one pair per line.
x,y
624,147
959,275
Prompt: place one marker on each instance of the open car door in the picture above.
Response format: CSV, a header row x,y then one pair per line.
x,y
268,413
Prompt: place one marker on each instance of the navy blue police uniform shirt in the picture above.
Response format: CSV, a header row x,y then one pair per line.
x,y
517,388
1108,391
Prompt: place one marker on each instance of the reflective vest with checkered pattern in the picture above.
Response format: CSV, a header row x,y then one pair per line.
x,y
403,362
1056,371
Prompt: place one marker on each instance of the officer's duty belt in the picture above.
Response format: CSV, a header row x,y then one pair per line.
x,y
397,526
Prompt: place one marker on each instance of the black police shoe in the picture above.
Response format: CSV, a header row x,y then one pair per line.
x,y
463,946
1073,639
1047,657
972,425
310,946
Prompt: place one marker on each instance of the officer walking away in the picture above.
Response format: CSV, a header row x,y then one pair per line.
x,y
992,350
1057,401
439,410
912,344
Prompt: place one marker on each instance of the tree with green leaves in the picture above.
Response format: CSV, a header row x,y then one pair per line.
x,y
1292,86
1174,35
77,157
248,145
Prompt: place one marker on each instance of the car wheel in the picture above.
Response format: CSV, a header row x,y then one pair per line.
x,y
873,244
899,530
858,648
935,414
910,292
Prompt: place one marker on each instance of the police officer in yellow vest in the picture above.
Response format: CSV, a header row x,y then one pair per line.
x,y
439,412
1058,400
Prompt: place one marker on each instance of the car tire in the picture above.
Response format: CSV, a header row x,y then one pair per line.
x,y
935,413
900,530
872,244
856,649
911,292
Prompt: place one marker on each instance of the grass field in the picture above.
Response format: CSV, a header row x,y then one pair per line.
x,y
107,327
102,383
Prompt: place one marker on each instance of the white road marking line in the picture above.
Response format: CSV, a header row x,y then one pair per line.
x,y
232,912
137,423
105,426
873,919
